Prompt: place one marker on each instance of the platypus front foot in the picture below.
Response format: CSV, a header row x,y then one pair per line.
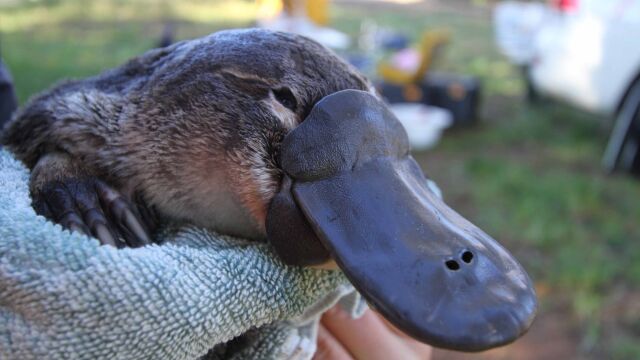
x,y
83,203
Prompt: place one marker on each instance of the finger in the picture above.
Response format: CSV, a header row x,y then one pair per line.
x,y
41,207
57,204
367,337
417,346
97,222
58,200
132,223
92,215
329,348
73,222
135,233
394,329
147,213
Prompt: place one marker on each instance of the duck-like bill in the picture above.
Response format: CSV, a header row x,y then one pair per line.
x,y
352,192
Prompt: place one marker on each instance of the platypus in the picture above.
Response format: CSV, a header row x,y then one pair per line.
x,y
269,135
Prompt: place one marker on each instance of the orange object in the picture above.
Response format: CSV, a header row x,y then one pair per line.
x,y
318,11
431,43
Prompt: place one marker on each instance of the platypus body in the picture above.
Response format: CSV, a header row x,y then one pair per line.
x,y
268,135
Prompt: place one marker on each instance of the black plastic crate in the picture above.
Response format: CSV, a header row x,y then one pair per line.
x,y
456,93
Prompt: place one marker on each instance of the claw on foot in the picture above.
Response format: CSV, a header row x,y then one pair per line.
x,y
91,207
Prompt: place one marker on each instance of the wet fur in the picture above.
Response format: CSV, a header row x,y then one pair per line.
x,y
193,127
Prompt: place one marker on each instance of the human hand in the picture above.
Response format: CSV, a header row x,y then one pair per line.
x,y
370,337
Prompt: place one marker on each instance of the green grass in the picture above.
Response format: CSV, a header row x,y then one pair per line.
x,y
44,41
528,175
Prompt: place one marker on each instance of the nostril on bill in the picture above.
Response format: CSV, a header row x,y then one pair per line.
x,y
452,265
467,256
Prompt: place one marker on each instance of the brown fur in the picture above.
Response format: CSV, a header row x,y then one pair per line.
x,y
193,127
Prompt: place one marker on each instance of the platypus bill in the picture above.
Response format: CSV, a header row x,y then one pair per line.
x,y
270,135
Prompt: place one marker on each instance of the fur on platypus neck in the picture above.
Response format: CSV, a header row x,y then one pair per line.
x,y
193,127
270,135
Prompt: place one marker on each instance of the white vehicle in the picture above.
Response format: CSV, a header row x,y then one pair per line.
x,y
586,52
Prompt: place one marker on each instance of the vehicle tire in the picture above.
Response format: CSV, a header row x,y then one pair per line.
x,y
531,93
622,151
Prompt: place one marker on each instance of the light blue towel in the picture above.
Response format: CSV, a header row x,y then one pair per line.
x,y
62,296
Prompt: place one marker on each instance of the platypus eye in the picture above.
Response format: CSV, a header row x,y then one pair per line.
x,y
286,98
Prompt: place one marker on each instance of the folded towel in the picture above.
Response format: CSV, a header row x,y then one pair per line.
x,y
62,295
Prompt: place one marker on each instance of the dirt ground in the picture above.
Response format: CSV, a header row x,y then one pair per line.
x,y
550,337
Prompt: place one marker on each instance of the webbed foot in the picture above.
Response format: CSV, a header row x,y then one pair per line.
x,y
65,194
90,206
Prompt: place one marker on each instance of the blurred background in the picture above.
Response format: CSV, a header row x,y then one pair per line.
x,y
525,113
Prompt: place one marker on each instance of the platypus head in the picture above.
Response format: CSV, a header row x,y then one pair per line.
x,y
276,137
